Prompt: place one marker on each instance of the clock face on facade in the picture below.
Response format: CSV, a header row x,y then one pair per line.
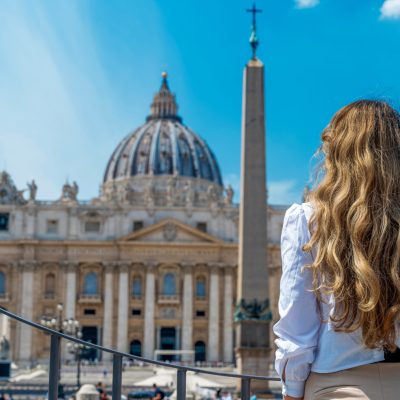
x,y
4,218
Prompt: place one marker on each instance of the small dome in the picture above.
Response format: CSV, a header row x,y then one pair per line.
x,y
163,146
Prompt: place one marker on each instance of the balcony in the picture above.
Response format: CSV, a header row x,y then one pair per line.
x,y
89,298
168,299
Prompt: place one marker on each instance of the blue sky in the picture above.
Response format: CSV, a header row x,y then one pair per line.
x,y
77,76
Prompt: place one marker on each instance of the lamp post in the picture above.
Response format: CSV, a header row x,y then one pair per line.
x,y
56,323
72,327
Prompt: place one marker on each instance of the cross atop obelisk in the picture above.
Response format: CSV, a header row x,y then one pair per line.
x,y
253,36
252,315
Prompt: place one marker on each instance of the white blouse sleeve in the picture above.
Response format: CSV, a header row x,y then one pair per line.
x,y
297,329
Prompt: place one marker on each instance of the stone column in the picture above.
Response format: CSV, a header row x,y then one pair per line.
x,y
213,316
70,293
123,302
228,315
4,326
150,299
187,310
70,268
108,320
25,332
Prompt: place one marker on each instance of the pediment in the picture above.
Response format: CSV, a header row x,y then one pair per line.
x,y
170,231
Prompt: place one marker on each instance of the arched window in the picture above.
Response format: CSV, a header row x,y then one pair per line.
x,y
136,348
201,287
2,284
90,284
200,351
169,285
49,285
137,286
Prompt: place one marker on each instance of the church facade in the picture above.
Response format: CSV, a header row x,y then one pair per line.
x,y
148,267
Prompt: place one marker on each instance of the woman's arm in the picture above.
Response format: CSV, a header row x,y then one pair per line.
x,y
297,329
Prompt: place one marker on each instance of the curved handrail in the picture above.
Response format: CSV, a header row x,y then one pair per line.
x,y
130,356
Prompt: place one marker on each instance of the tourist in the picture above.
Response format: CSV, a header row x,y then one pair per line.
x,y
101,388
226,396
158,393
340,289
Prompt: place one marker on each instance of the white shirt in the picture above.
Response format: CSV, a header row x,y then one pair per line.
x,y
306,342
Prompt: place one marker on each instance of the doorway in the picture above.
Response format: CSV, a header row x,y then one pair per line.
x,y
90,334
168,342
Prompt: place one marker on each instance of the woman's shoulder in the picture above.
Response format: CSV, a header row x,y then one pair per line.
x,y
300,211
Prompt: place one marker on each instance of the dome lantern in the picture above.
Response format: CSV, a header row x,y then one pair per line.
x,y
164,103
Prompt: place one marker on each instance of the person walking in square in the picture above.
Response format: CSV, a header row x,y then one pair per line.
x,y
338,333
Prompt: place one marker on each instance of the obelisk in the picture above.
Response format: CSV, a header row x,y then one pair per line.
x,y
252,315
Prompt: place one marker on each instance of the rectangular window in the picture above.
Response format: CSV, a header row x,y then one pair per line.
x,y
4,220
92,226
202,226
52,226
137,225
200,313
136,312
89,311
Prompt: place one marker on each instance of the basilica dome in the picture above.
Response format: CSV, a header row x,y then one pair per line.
x,y
163,146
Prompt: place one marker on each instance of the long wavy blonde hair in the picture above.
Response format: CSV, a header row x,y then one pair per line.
x,y
355,226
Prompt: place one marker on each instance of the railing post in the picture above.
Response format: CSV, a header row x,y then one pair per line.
x,y
245,389
117,377
181,384
54,373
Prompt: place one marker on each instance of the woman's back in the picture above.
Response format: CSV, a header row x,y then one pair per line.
x,y
340,288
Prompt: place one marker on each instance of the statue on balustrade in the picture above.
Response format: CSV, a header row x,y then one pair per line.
x,y
32,187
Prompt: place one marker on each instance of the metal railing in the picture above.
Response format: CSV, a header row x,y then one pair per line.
x,y
54,370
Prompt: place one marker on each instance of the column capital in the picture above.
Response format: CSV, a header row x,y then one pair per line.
x,y
229,269
151,267
70,266
12,264
188,267
215,267
110,266
27,266
123,266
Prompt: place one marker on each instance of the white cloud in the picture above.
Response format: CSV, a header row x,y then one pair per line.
x,y
306,3
283,192
390,9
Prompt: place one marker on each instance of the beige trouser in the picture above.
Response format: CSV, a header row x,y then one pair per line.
x,y
379,381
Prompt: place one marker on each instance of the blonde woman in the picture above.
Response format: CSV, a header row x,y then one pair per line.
x,y
338,335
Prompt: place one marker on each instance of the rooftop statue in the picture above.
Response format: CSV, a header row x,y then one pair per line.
x,y
32,187
9,194
70,192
